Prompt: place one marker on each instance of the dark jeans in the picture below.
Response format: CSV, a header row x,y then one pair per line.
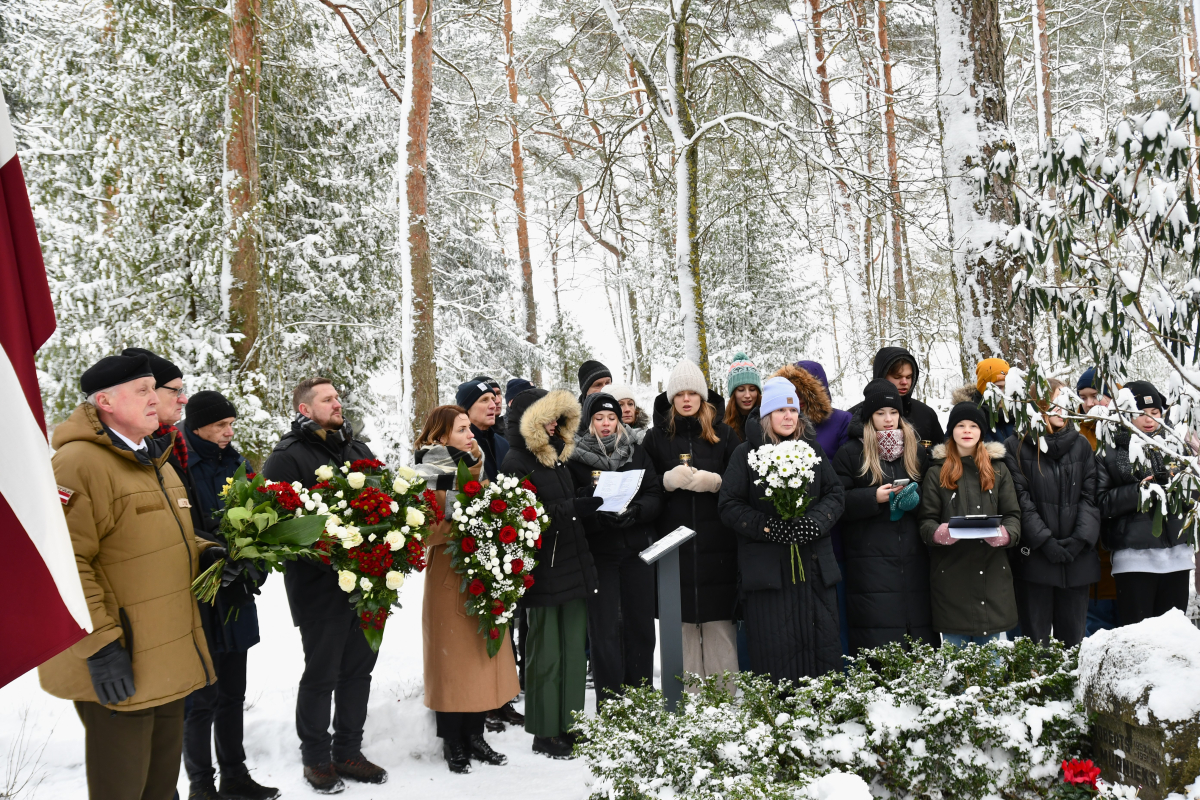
x,y
1141,595
216,713
337,665
1042,609
458,725
621,623
1101,615
132,755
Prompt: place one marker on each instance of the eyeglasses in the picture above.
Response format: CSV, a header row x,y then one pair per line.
x,y
173,391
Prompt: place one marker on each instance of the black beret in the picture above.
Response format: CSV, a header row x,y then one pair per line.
x,y
880,394
112,371
205,408
164,371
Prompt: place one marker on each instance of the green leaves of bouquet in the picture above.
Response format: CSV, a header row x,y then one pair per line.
x,y
264,522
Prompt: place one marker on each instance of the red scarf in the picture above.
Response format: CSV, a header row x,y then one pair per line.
x,y
891,444
179,447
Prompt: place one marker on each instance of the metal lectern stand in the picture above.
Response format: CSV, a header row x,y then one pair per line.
x,y
665,552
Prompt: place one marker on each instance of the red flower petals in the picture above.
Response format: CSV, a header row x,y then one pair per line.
x,y
374,505
529,513
517,565
285,495
498,506
508,534
528,581
468,545
366,465
476,588
1080,773
472,488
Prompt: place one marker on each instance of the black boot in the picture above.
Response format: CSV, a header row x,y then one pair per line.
x,y
553,746
243,787
204,791
494,722
455,753
480,750
510,715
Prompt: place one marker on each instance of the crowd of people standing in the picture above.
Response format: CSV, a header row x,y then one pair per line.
x,y
872,561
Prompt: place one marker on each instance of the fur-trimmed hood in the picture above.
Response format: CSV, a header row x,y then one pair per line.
x,y
966,393
994,449
528,415
813,396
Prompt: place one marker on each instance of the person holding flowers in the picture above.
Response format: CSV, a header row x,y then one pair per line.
x,y
541,432
621,614
337,656
462,683
781,497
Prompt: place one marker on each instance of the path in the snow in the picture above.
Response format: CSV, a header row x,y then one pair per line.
x,y
399,733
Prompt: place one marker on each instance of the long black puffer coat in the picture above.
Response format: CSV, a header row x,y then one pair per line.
x,y
791,624
708,563
1057,493
565,569
886,563
1119,496
312,587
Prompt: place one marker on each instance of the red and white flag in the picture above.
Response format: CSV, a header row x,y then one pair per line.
x,y
42,608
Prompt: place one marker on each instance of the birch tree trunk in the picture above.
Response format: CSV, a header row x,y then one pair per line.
x,y
241,279
518,169
976,142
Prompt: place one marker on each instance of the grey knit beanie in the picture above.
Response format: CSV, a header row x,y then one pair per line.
x,y
686,377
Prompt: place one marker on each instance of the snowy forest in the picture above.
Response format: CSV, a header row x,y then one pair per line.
x,y
401,195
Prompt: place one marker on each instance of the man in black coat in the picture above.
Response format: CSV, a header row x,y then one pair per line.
x,y
480,398
336,654
899,366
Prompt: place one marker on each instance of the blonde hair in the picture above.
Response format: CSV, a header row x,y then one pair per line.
x,y
769,430
871,464
620,433
705,415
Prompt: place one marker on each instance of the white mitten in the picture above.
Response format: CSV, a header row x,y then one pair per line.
x,y
679,477
705,481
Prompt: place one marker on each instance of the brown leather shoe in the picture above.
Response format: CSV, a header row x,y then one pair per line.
x,y
357,768
324,779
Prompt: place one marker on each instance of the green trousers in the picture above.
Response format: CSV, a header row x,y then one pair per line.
x,y
556,667
132,755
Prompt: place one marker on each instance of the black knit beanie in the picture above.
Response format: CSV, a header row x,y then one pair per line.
x,y
590,372
205,408
880,394
965,411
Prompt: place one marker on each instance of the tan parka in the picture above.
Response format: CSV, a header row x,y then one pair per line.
x,y
131,530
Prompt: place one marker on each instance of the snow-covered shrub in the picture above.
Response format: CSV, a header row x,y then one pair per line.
x,y
974,723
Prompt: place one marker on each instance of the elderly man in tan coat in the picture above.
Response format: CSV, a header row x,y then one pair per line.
x,y
131,529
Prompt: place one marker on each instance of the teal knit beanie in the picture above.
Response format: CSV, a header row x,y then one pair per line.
x,y
741,372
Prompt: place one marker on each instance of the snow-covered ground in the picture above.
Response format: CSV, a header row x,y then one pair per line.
x,y
399,733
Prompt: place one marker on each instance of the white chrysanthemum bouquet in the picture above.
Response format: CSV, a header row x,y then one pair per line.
x,y
787,469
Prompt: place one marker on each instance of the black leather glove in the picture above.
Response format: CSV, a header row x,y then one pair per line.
x,y
1074,547
585,506
623,520
801,530
211,556
1054,552
242,570
112,674
1162,476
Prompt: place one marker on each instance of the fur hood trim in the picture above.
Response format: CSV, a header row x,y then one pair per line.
x,y
994,449
809,391
966,393
557,405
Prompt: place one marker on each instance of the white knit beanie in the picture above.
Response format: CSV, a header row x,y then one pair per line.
x,y
686,377
620,391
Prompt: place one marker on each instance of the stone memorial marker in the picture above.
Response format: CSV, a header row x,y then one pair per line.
x,y
1141,684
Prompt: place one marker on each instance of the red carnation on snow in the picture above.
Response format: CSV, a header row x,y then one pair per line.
x,y
1080,773
476,588
508,534
472,488
468,545
498,506
529,513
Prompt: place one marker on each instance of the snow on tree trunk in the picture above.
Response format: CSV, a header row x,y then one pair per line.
x,y
240,279
418,367
976,143
518,170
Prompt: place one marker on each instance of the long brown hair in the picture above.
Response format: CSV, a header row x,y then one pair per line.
x,y
438,425
706,415
952,470
734,417
912,461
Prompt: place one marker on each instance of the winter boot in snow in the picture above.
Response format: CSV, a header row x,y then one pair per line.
x,y
553,746
357,768
494,722
204,791
510,715
243,787
324,780
480,750
456,757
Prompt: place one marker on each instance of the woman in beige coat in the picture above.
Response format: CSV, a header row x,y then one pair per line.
x,y
461,682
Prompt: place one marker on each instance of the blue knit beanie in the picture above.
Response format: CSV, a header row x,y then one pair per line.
x,y
741,372
1090,380
777,393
